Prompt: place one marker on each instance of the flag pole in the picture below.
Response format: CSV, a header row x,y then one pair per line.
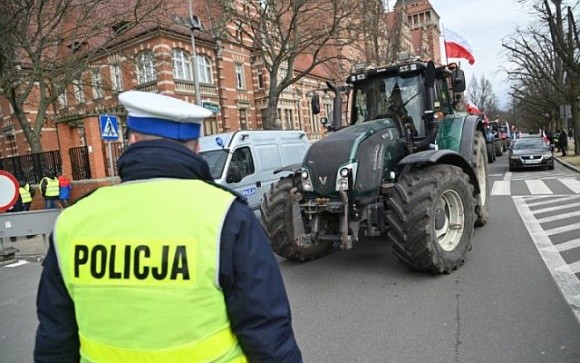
x,y
444,43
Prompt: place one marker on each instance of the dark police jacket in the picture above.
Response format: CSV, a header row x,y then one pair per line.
x,y
254,292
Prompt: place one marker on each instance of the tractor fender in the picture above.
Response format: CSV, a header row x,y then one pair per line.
x,y
431,157
471,124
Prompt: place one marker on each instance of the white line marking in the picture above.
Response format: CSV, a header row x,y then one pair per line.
x,y
507,175
572,184
17,263
558,217
559,207
568,228
561,247
495,174
575,267
561,272
538,187
501,187
551,200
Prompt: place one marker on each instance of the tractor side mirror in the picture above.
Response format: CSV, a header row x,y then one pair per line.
x,y
458,80
324,121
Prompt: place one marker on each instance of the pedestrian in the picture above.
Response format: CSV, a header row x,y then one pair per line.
x,y
50,190
181,272
64,190
26,193
563,139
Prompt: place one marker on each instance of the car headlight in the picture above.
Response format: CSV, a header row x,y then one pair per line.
x,y
514,157
343,174
306,181
547,155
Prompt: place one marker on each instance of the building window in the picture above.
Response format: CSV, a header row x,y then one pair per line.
x,y
97,84
260,80
146,68
181,65
289,119
243,112
79,92
240,82
328,108
204,69
62,101
116,77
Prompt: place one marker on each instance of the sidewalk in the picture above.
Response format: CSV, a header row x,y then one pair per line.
x,y
571,160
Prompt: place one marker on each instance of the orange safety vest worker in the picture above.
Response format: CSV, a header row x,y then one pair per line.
x,y
147,291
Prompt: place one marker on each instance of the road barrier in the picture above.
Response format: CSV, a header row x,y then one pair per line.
x,y
20,224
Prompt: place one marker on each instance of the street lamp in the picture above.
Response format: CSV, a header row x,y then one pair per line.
x,y
194,24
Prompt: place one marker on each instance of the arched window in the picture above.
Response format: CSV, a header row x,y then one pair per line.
x,y
146,68
181,65
204,69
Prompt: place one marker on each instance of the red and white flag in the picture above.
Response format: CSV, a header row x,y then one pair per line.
x,y
546,140
457,47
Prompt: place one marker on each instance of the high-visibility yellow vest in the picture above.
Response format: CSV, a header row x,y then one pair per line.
x,y
25,193
52,187
142,271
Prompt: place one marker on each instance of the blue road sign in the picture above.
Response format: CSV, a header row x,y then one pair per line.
x,y
109,127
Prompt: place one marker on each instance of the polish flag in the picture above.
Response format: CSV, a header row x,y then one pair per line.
x,y
457,47
545,137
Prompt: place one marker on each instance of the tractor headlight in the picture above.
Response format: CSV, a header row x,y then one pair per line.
x,y
344,173
306,182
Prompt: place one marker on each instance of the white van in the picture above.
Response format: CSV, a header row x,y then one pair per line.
x,y
245,161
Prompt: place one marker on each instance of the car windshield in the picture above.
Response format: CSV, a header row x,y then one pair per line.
x,y
216,160
530,143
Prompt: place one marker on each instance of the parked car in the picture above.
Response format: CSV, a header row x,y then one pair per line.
x,y
530,152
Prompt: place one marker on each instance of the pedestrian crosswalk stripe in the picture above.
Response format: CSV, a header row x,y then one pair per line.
x,y
558,217
532,175
501,187
559,207
17,263
550,200
568,228
575,267
538,187
568,245
572,184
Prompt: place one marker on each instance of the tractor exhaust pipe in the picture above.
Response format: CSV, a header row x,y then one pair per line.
x,y
337,111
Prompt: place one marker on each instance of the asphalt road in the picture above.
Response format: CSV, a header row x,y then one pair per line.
x,y
506,304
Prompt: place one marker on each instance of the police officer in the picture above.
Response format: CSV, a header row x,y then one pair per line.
x,y
166,266
26,193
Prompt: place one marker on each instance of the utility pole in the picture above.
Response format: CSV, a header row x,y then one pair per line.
x,y
194,25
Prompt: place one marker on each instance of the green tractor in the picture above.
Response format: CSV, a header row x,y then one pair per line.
x,y
408,168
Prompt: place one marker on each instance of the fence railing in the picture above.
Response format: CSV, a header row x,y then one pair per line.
x,y
79,158
32,167
117,149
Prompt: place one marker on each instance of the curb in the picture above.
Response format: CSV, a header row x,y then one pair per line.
x,y
568,165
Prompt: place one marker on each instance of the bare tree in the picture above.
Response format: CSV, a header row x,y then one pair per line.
x,y
282,31
46,45
480,93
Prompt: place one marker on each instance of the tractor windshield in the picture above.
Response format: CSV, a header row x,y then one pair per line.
x,y
377,98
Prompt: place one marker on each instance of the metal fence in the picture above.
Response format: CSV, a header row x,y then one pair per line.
x,y
32,167
117,149
79,158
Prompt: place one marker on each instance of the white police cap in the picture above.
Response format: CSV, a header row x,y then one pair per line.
x,y
164,116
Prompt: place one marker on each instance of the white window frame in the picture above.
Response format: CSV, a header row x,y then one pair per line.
x,y
146,67
79,91
62,100
97,83
182,69
240,79
116,77
204,69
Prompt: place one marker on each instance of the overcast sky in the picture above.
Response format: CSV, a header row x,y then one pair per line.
x,y
484,23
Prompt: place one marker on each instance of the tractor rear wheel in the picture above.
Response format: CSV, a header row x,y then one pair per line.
x,y
431,218
481,171
276,218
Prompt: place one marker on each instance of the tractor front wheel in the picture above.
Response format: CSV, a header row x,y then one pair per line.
x,y
431,218
276,217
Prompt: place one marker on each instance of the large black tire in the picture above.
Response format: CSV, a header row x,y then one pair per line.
x,y
498,148
276,218
431,218
490,153
480,168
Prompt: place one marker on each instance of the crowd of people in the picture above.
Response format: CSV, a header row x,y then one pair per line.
x,y
55,191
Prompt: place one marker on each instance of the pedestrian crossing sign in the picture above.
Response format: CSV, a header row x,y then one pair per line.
x,y
109,127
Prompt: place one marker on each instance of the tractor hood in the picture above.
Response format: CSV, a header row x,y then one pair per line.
x,y
370,146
